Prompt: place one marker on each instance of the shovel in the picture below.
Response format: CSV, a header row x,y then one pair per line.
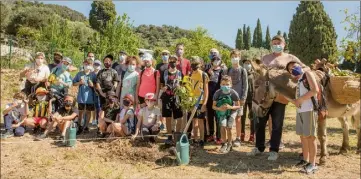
x,y
182,146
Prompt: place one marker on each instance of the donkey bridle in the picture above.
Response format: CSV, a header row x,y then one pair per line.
x,y
267,84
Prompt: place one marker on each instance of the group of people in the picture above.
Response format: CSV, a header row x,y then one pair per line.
x,y
133,96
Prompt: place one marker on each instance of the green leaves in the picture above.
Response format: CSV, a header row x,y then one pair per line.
x,y
101,13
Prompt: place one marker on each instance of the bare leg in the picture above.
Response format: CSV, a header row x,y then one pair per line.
x,y
238,126
43,123
270,126
81,117
65,126
345,129
223,134
195,129
201,128
178,125
312,146
87,119
229,135
169,125
305,148
29,122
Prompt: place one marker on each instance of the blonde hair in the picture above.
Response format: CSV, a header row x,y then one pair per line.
x,y
40,54
236,52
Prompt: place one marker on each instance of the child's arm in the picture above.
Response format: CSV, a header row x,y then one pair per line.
x,y
313,89
237,105
138,126
9,108
69,118
158,85
50,105
214,107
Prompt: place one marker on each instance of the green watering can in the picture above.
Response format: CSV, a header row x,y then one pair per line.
x,y
182,146
70,135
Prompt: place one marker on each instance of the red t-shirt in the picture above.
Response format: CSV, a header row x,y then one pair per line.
x,y
148,83
186,66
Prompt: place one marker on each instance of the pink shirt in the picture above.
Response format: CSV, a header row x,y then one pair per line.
x,y
148,83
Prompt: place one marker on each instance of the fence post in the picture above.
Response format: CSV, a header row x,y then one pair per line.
x,y
11,44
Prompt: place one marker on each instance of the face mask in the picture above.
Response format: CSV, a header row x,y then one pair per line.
x,y
150,104
18,101
277,48
225,89
216,63
147,64
179,53
92,58
131,68
41,98
126,103
165,58
235,60
121,58
97,67
247,66
64,67
297,71
87,67
68,103
38,61
107,65
172,65
194,67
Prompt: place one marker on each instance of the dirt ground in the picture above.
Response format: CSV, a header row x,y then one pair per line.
x,y
24,158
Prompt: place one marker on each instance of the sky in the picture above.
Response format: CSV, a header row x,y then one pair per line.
x,y
221,19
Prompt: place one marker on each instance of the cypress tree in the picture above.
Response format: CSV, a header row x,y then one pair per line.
x,y
268,39
239,40
255,38
244,34
279,32
259,34
247,45
286,40
312,34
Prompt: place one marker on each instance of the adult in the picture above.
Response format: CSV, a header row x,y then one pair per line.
x,y
183,64
120,66
97,67
278,59
57,59
91,56
36,74
248,66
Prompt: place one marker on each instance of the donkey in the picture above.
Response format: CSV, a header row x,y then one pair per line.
x,y
269,82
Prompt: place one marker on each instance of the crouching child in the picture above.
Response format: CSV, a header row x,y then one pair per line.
x,y
306,119
62,117
226,102
14,115
148,119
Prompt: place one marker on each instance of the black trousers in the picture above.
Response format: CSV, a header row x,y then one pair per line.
x,y
250,116
277,112
212,121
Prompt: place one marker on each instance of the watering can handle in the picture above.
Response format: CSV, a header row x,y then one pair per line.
x,y
193,112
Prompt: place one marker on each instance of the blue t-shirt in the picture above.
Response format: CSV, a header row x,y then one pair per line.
x,y
86,93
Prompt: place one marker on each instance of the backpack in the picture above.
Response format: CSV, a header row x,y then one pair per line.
x,y
221,101
178,76
320,104
155,76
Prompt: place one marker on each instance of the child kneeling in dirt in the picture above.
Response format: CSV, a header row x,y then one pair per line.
x,y
124,125
306,124
108,114
149,119
14,115
226,102
62,118
42,108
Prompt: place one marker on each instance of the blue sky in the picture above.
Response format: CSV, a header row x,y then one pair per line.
x,y
222,19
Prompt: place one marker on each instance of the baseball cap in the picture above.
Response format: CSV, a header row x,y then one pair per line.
x,y
67,59
150,96
41,90
97,62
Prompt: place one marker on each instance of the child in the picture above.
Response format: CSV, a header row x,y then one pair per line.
x,y
97,67
42,108
170,105
128,79
306,124
62,118
86,97
108,114
148,81
247,65
199,81
149,118
240,84
226,102
14,115
125,122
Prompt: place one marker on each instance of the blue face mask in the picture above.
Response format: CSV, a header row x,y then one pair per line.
x,y
131,68
165,57
64,67
296,71
277,48
225,89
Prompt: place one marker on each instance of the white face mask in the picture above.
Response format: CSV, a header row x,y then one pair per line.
x,y
41,98
235,60
18,101
150,104
88,68
98,67
121,58
39,61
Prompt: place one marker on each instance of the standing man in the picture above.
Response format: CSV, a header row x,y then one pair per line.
x,y
277,58
91,56
161,67
183,64
57,59
120,66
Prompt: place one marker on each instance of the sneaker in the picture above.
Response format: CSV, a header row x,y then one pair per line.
x,y
219,141
229,147
80,130
94,122
237,142
242,137
7,134
273,156
254,152
301,163
251,138
211,138
309,168
162,128
86,130
40,137
201,143
223,149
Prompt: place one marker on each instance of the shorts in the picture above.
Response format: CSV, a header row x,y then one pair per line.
x,y
37,120
141,100
229,121
88,107
306,124
198,114
169,107
240,112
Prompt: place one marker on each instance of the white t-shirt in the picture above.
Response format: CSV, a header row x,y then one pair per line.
x,y
16,112
150,117
307,105
42,72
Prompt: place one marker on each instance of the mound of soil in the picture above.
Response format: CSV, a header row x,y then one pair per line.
x,y
132,151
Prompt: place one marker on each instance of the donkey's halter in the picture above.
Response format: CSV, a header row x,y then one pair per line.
x,y
267,84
